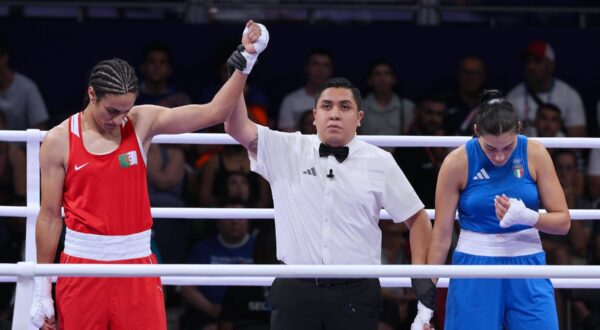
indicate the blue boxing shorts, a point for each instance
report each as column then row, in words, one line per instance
column 491, row 304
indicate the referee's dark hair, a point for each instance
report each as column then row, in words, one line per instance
column 340, row 82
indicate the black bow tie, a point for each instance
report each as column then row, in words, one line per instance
column 340, row 153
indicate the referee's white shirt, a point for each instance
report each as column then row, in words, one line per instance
column 332, row 221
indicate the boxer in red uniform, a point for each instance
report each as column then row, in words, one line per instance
column 94, row 165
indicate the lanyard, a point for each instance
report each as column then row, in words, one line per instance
column 526, row 99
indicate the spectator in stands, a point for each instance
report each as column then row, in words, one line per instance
column 422, row 164
column 237, row 186
column 232, row 159
column 12, row 230
column 547, row 121
column 399, row 305
column 386, row 113
column 586, row 302
column 565, row 163
column 166, row 162
column 248, row 307
column 464, row 104
column 593, row 176
column 12, row 171
column 573, row 248
column 20, row 99
column 157, row 69
column 307, row 125
column 318, row 69
column 541, row 86
column 232, row 245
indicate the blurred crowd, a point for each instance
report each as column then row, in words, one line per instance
column 219, row 175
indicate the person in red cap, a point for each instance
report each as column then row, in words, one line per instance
column 540, row 86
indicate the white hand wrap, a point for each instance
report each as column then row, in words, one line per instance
column 43, row 305
column 423, row 317
column 259, row 45
column 519, row 214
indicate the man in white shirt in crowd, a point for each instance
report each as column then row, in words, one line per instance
column 386, row 113
column 540, row 86
column 319, row 67
column 328, row 190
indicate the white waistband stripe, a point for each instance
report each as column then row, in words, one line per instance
column 521, row 243
column 107, row 248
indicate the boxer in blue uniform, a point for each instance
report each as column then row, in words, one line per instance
column 496, row 181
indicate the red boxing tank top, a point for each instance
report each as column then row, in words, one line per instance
column 106, row 194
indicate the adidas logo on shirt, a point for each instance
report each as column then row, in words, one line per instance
column 310, row 171
column 481, row 175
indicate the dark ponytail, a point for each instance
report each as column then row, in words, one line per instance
column 496, row 115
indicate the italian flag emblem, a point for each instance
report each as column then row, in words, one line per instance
column 128, row 159
column 517, row 168
column 518, row 172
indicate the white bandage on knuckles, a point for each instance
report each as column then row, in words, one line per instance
column 259, row 45
column 519, row 214
column 423, row 317
column 42, row 307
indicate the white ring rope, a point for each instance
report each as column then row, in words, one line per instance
column 378, row 140
column 387, row 282
column 241, row 213
column 301, row 271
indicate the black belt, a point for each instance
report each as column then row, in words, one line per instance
column 328, row 282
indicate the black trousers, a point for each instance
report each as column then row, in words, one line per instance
column 325, row 304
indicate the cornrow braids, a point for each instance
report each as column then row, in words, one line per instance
column 113, row 76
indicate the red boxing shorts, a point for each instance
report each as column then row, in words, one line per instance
column 101, row 303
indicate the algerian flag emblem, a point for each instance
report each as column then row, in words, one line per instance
column 128, row 159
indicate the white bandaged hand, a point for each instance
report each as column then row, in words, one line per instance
column 43, row 305
column 519, row 214
column 423, row 317
column 259, row 45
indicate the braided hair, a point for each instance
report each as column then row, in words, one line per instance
column 113, row 76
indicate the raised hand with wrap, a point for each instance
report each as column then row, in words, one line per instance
column 255, row 39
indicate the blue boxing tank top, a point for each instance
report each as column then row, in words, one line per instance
column 476, row 210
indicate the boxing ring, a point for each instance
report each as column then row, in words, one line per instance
column 23, row 273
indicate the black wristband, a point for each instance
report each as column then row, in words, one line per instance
column 236, row 61
column 425, row 291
